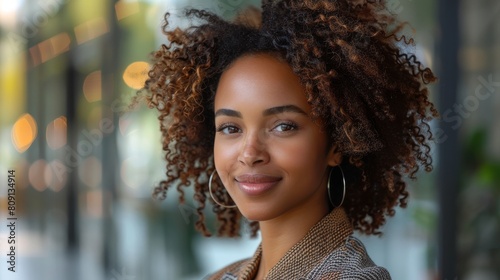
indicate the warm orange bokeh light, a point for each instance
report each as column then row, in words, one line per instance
column 92, row 87
column 90, row 30
column 94, row 201
column 36, row 175
column 24, row 132
column 22, row 169
column 50, row 48
column 56, row 175
column 57, row 133
column 136, row 74
column 124, row 9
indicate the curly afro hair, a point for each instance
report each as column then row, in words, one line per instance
column 370, row 95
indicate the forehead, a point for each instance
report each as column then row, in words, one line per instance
column 260, row 78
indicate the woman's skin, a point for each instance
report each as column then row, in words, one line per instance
column 272, row 158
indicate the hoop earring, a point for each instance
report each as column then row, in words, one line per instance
column 343, row 188
column 213, row 197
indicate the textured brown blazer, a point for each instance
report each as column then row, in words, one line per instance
column 328, row 251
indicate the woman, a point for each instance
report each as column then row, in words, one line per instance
column 303, row 119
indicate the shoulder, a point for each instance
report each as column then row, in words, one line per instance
column 228, row 272
column 349, row 261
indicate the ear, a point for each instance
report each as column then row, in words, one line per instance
column 334, row 157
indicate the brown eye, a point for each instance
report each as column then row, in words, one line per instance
column 228, row 129
column 284, row 127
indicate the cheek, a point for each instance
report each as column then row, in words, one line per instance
column 303, row 157
column 300, row 158
column 225, row 155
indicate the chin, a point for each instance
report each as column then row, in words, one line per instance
column 258, row 212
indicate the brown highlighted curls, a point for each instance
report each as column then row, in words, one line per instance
column 366, row 90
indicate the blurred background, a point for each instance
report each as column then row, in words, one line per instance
column 85, row 166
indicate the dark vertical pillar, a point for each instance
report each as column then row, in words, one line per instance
column 110, row 164
column 449, row 151
column 72, row 183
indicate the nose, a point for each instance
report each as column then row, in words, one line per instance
column 253, row 151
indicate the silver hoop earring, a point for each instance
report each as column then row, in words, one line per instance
column 211, row 195
column 332, row 200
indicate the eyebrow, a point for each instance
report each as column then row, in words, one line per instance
column 228, row 112
column 283, row 109
column 267, row 112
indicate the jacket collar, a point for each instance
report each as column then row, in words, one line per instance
column 324, row 237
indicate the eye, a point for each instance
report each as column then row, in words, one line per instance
column 228, row 129
column 285, row 127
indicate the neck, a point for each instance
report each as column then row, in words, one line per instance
column 280, row 234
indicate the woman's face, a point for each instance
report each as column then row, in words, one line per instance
column 271, row 157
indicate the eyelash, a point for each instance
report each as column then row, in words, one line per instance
column 224, row 126
column 290, row 125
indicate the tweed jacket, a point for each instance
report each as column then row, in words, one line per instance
column 328, row 251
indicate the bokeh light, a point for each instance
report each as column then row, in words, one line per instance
column 24, row 132
column 124, row 123
column 56, row 175
column 57, row 133
column 92, row 87
column 90, row 172
column 37, row 175
column 90, row 30
column 22, row 170
column 94, row 202
column 50, row 48
column 136, row 74
column 133, row 172
column 125, row 9
column 8, row 12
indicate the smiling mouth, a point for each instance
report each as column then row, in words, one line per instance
column 256, row 184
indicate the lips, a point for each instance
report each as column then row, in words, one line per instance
column 256, row 184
